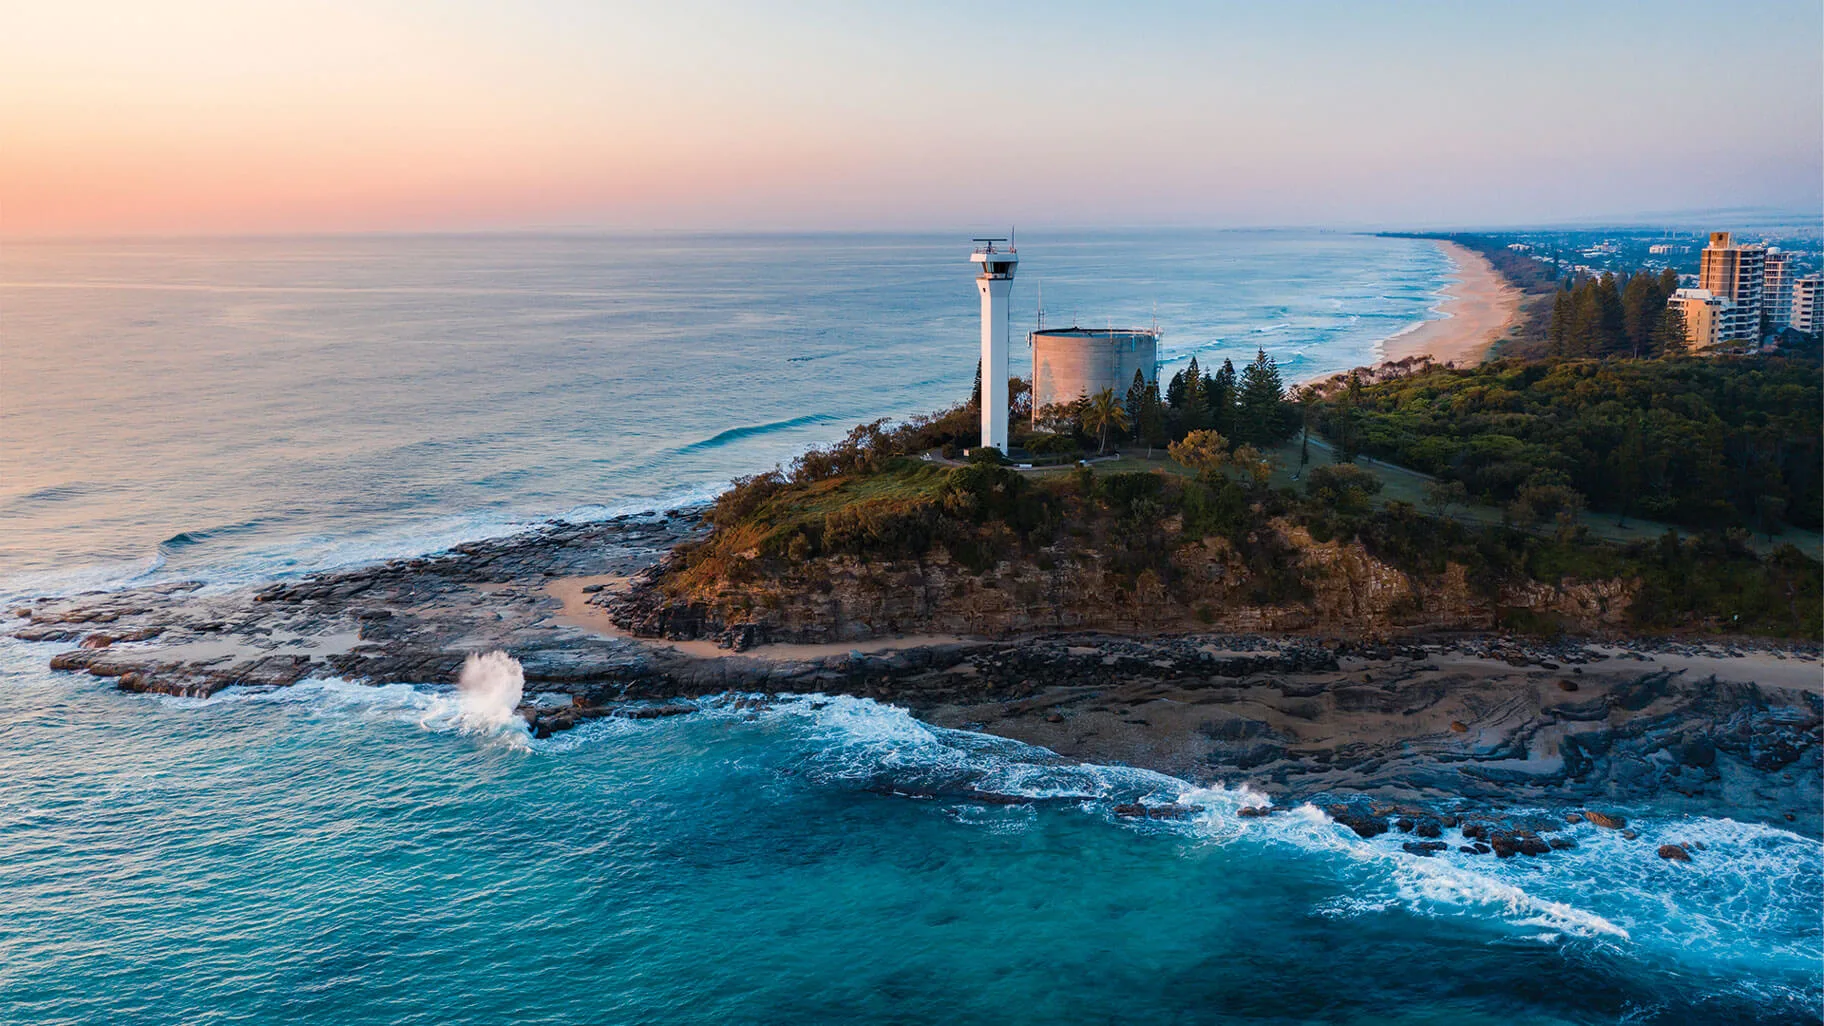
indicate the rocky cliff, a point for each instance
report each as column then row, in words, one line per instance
column 1331, row 588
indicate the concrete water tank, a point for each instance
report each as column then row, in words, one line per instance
column 1070, row 363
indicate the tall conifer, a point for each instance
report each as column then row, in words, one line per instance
column 1193, row 412
column 1221, row 399
column 1136, row 397
column 1259, row 418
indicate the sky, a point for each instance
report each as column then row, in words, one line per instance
column 198, row 116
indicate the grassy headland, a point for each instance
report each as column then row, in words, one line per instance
column 1608, row 484
column 868, row 539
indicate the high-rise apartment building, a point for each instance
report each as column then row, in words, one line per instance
column 1704, row 315
column 1736, row 275
column 1807, row 293
column 1776, row 287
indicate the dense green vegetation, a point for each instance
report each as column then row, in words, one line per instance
column 1248, row 406
column 870, row 498
column 1611, row 316
column 1704, row 443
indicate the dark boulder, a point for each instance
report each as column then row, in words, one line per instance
column 1365, row 825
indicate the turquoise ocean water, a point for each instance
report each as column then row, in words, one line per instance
column 334, row 853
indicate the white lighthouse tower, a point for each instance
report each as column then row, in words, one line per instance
column 995, row 283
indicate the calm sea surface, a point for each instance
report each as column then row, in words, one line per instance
column 334, row 853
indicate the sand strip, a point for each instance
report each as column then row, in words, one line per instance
column 1479, row 308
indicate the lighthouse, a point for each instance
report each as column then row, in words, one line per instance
column 995, row 282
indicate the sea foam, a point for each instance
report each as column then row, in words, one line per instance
column 489, row 690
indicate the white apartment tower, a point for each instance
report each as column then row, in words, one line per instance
column 1734, row 274
column 1776, row 287
column 1807, row 293
column 1703, row 315
column 995, row 282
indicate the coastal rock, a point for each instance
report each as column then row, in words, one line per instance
column 1674, row 853
column 1604, row 820
column 1425, row 848
column 1303, row 717
column 1365, row 825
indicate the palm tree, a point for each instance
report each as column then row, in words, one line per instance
column 1103, row 412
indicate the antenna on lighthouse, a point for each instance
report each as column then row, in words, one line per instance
column 1041, row 304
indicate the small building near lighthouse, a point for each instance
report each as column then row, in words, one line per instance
column 1074, row 363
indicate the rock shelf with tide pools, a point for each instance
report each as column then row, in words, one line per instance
column 1441, row 736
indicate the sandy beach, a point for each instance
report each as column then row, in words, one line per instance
column 1478, row 309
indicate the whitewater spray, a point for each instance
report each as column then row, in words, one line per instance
column 489, row 690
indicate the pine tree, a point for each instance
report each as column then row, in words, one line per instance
column 1151, row 423
column 1610, row 338
column 1193, row 412
column 1641, row 304
column 1174, row 392
column 1220, row 398
column 1259, row 419
column 975, row 394
column 1669, row 337
column 1136, row 397
column 1559, row 333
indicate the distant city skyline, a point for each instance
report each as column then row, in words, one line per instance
column 198, row 116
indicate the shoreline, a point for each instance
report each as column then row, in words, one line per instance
column 1478, row 308
column 1481, row 718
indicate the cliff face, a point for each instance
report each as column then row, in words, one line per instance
column 1331, row 587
